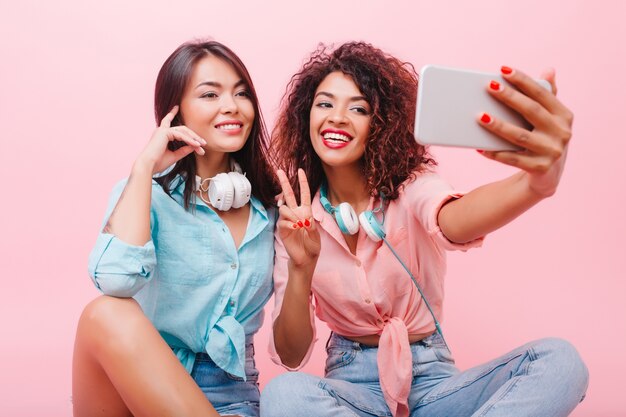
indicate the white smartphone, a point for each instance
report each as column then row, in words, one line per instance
column 449, row 102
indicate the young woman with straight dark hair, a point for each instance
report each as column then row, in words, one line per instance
column 185, row 257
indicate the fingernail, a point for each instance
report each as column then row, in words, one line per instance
column 307, row 223
column 480, row 151
column 506, row 70
column 494, row 85
column 485, row 118
column 300, row 223
column 279, row 202
column 294, row 225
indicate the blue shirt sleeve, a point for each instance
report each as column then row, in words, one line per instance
column 116, row 267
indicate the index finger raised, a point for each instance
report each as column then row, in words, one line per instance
column 167, row 120
column 305, row 191
column 288, row 195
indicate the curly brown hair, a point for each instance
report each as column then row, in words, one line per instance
column 390, row 87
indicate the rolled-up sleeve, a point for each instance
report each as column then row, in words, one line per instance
column 116, row 267
column 120, row 269
column 424, row 198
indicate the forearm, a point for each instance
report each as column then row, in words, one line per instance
column 487, row 208
column 130, row 219
column 292, row 329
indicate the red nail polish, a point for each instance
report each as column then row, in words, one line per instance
column 485, row 118
column 300, row 223
column 494, row 85
column 506, row 70
column 295, row 226
column 480, row 151
column 307, row 223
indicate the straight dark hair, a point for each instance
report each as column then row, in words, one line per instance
column 170, row 86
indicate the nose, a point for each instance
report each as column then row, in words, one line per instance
column 338, row 115
column 228, row 104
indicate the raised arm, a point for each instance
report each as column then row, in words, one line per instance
column 298, row 232
column 493, row 205
column 130, row 219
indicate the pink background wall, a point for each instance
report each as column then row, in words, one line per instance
column 76, row 85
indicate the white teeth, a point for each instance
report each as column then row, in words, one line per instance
column 336, row 136
column 229, row 127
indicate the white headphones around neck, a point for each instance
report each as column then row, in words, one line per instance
column 347, row 220
column 226, row 189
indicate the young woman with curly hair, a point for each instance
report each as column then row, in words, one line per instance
column 345, row 133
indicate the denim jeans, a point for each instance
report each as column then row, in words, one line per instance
column 543, row 378
column 228, row 393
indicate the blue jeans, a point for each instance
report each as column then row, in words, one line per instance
column 228, row 393
column 542, row 378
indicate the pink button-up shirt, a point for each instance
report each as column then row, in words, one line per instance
column 370, row 292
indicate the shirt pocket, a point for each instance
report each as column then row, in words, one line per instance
column 258, row 259
column 184, row 254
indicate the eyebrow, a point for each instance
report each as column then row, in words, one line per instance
column 329, row 95
column 218, row 85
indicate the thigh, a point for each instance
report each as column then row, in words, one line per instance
column 92, row 389
column 462, row 393
column 119, row 355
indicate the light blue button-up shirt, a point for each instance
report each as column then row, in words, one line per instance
column 201, row 292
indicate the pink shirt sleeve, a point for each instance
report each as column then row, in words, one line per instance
column 424, row 197
column 281, row 277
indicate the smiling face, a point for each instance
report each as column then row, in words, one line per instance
column 339, row 121
column 216, row 105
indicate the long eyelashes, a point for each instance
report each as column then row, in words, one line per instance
column 358, row 109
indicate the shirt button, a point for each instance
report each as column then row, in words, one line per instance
column 358, row 262
column 233, row 266
column 367, row 301
column 232, row 303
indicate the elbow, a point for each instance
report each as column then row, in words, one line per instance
column 292, row 362
column 459, row 238
column 121, row 286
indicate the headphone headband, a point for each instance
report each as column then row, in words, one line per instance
column 324, row 199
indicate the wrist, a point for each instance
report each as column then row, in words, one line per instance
column 143, row 166
column 540, row 185
column 302, row 271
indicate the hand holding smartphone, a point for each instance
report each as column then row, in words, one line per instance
column 449, row 102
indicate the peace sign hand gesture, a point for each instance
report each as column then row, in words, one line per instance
column 296, row 227
column 157, row 154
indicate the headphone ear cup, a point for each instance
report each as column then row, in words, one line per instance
column 346, row 219
column 242, row 189
column 373, row 229
column 221, row 192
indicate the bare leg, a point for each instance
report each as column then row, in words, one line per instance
column 123, row 367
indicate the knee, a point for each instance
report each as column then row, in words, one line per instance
column 285, row 395
column 565, row 363
column 109, row 322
